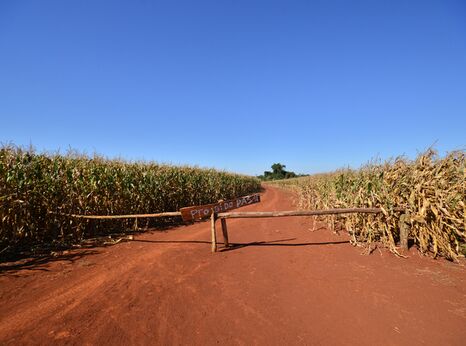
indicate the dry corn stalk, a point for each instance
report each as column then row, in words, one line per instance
column 431, row 189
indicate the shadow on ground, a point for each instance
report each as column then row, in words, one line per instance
column 38, row 263
column 41, row 250
column 235, row 246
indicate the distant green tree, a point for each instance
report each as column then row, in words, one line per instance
column 278, row 172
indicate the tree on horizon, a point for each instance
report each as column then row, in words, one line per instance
column 278, row 172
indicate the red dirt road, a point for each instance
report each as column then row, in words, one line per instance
column 285, row 285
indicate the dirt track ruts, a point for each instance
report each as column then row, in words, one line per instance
column 281, row 284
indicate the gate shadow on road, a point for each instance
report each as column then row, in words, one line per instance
column 235, row 246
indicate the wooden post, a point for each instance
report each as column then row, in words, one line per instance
column 214, row 235
column 404, row 232
column 225, row 232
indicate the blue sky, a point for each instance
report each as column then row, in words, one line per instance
column 236, row 85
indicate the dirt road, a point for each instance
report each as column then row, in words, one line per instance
column 282, row 284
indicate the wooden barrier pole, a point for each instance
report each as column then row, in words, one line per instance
column 225, row 232
column 252, row 214
column 132, row 216
column 212, row 228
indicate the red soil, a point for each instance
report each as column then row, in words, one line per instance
column 285, row 285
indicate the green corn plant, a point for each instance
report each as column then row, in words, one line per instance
column 37, row 189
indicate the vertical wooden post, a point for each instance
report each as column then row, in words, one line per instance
column 225, row 232
column 214, row 235
column 404, row 232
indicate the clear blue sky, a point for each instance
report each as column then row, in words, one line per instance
column 235, row 85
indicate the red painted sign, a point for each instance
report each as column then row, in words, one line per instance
column 204, row 211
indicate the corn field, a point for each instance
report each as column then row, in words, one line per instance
column 432, row 190
column 36, row 190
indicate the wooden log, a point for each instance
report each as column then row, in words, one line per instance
column 235, row 215
column 225, row 232
column 213, row 233
column 132, row 216
column 404, row 232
